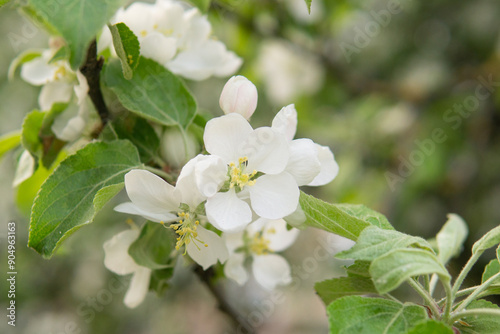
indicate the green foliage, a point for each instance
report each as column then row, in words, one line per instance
column 451, row 238
column 78, row 21
column 153, row 247
column 308, row 4
column 490, row 239
column 491, row 269
column 3, row 2
column 483, row 323
column 202, row 5
column 127, row 48
column 77, row 190
column 431, row 327
column 350, row 314
column 153, row 93
column 374, row 242
column 342, row 219
column 9, row 141
column 332, row 289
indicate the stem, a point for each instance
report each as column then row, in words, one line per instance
column 449, row 300
column 161, row 173
column 476, row 311
column 468, row 266
column 91, row 69
column 206, row 277
column 426, row 296
column 427, row 284
column 433, row 283
column 478, row 291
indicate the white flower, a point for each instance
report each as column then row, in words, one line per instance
column 310, row 163
column 178, row 37
column 239, row 96
column 158, row 201
column 117, row 259
column 60, row 85
column 261, row 240
column 251, row 168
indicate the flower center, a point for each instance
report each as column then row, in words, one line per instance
column 60, row 73
column 259, row 245
column 186, row 230
column 237, row 174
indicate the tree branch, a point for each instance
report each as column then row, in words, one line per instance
column 206, row 276
column 91, row 69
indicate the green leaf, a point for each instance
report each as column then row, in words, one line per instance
column 9, row 141
column 61, row 54
column 160, row 280
column 358, row 269
column 308, row 4
column 24, row 57
column 105, row 194
column 332, row 289
column 480, row 323
column 431, row 326
column 153, row 247
column 355, row 314
column 374, row 242
column 153, row 93
column 78, row 21
column 3, row 2
column 345, row 220
column 65, row 201
column 490, row 270
column 32, row 125
column 451, row 238
column 138, row 131
column 390, row 270
column 490, row 239
column 202, row 5
column 127, row 48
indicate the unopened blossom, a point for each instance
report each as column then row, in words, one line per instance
column 177, row 149
column 118, row 260
column 158, row 201
column 178, row 37
column 239, row 96
column 251, row 170
column 60, row 84
column 260, row 241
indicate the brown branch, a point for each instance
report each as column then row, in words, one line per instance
column 206, row 276
column 91, row 69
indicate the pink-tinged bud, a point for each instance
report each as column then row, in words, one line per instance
column 239, row 96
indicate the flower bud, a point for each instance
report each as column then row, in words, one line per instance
column 239, row 96
column 173, row 149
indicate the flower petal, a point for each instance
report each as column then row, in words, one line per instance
column 138, row 289
column 225, row 134
column 116, row 257
column 150, row 193
column 158, row 47
column 52, row 92
column 285, row 121
column 38, row 72
column 329, row 167
column 271, row 270
column 132, row 209
column 211, row 173
column 207, row 256
column 233, row 241
column 227, row 212
column 274, row 196
column 267, row 151
column 235, row 270
column 280, row 238
column 303, row 164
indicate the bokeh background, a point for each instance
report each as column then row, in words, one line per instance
column 406, row 94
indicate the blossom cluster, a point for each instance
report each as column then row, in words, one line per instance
column 246, row 186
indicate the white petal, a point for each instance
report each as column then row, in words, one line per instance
column 271, row 270
column 280, row 238
column 116, row 257
column 274, row 196
column 235, row 270
column 150, row 192
column 186, row 188
column 296, row 218
column 105, row 40
column 227, row 212
column 233, row 241
column 215, row 250
column 239, row 95
column 138, row 17
column 138, row 289
column 224, row 136
column 329, row 167
column 158, row 47
column 38, row 72
column 198, row 29
column 72, row 130
column 211, row 173
column 132, row 209
column 25, row 168
column 303, row 164
column 53, row 92
column 267, row 151
column 285, row 121
column 228, row 65
column 82, row 89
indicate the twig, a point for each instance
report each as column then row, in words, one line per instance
column 206, row 277
column 91, row 69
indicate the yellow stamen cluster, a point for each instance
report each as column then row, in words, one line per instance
column 60, row 73
column 237, row 175
column 186, row 230
column 144, row 33
column 259, row 245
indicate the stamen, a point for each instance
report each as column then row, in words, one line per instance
column 186, row 229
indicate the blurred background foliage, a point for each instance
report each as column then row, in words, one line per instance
column 372, row 84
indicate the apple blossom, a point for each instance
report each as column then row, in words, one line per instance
column 260, row 240
column 178, row 37
column 117, row 259
column 158, row 201
column 176, row 149
column 239, row 95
